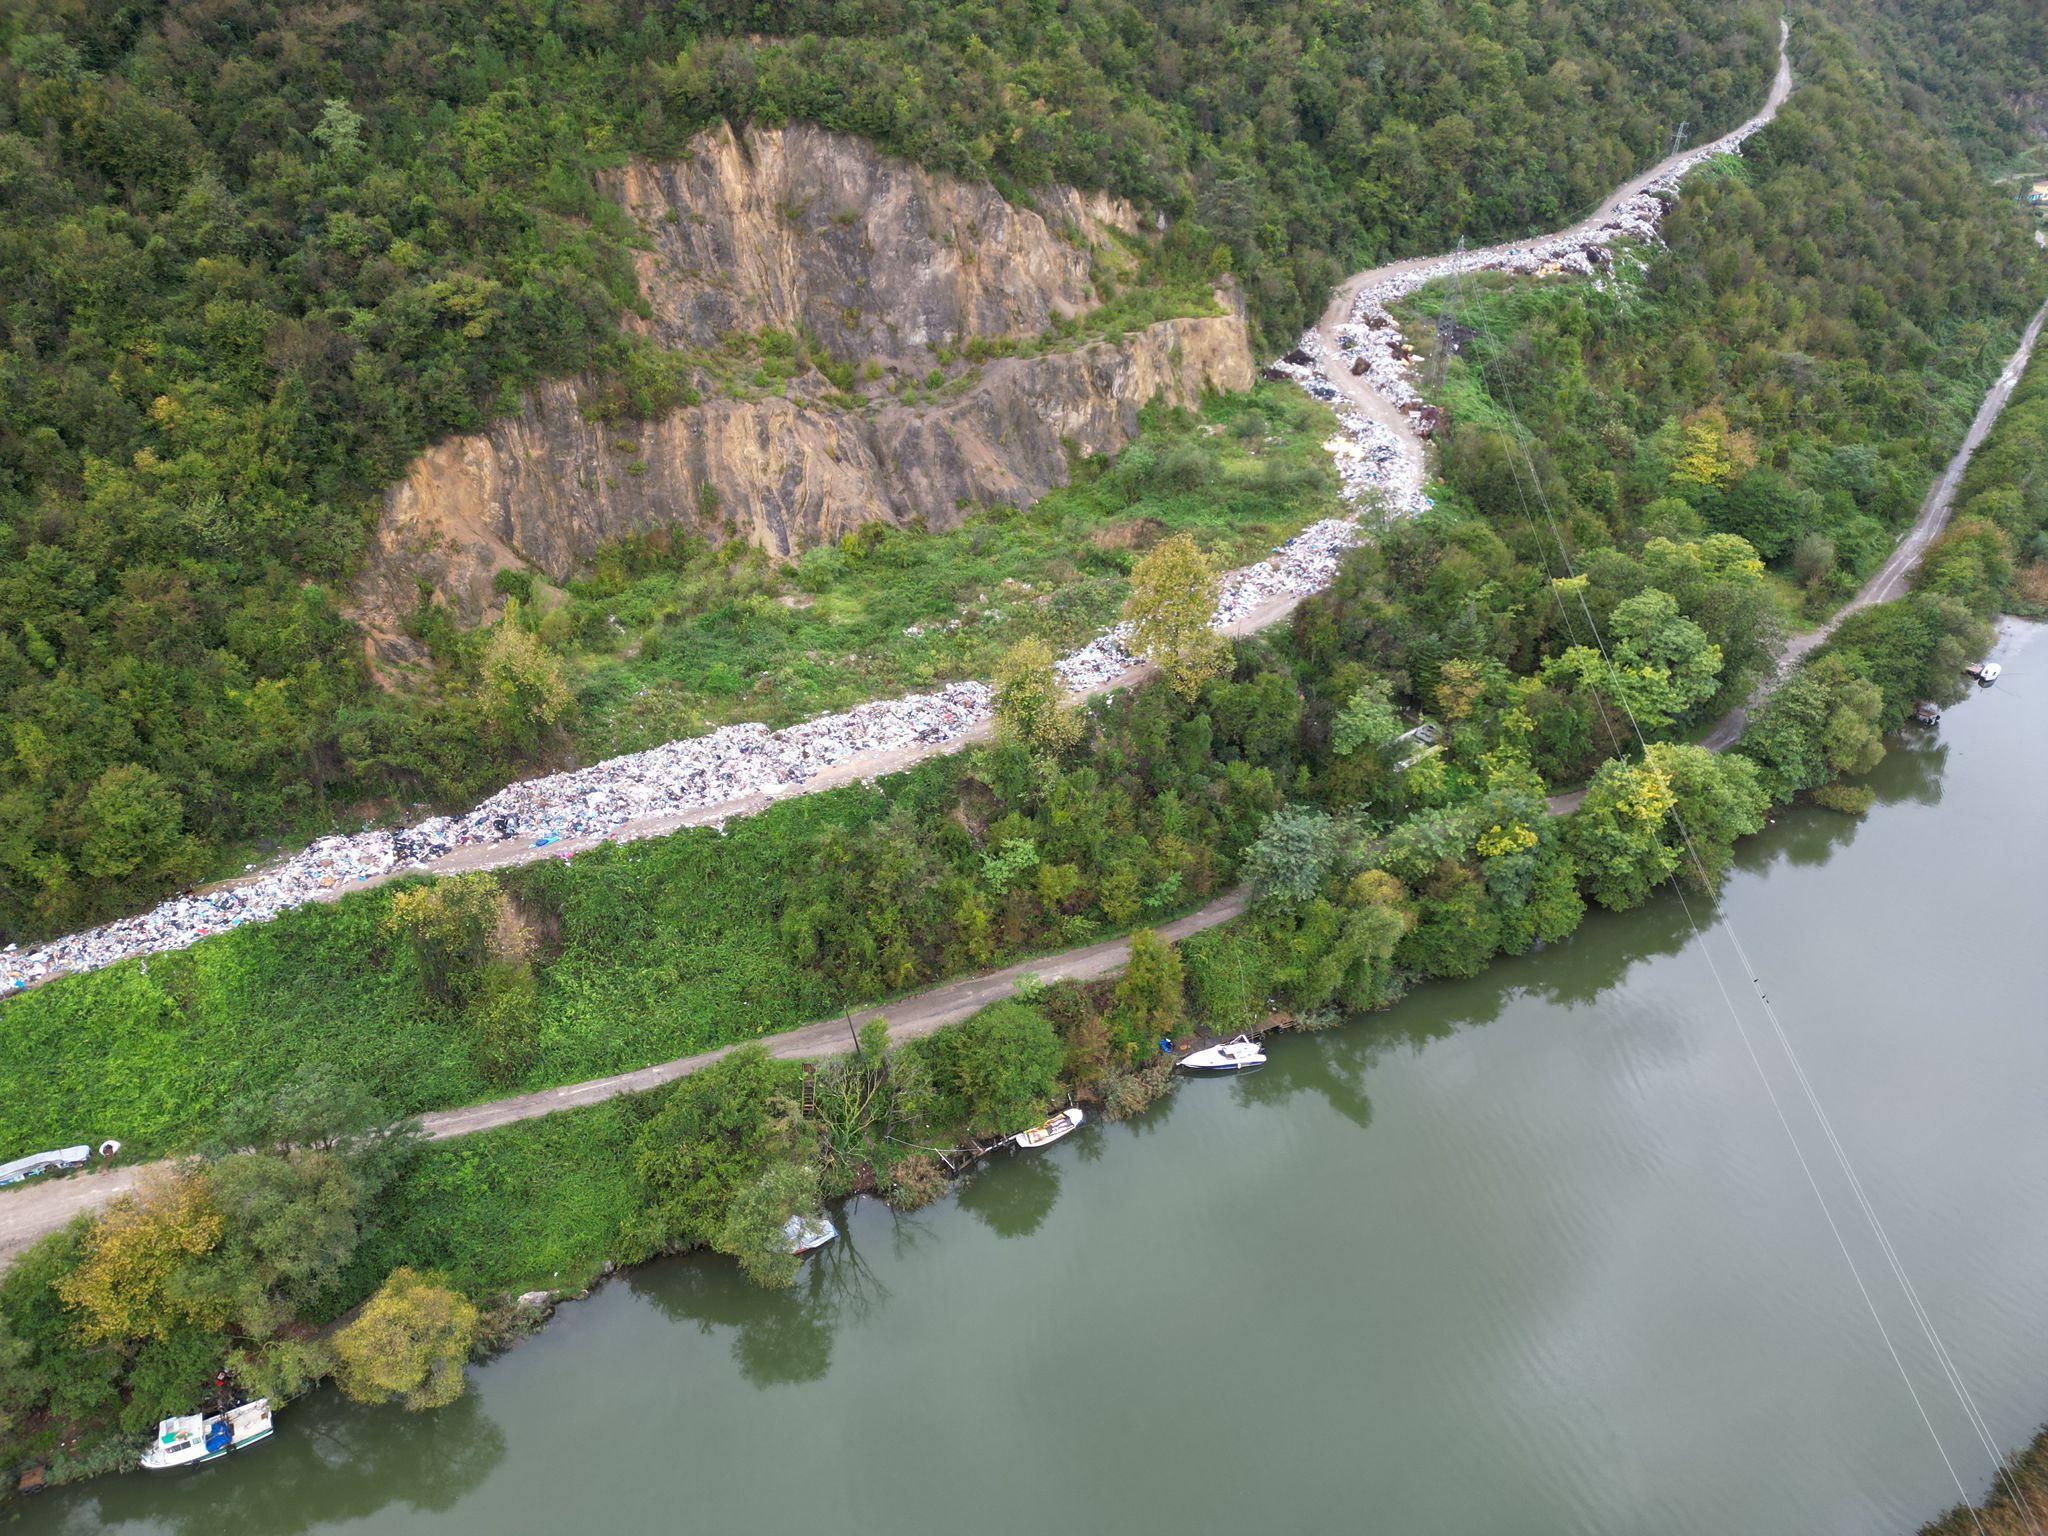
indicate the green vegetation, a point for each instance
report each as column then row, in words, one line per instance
column 1792, row 369
column 2005, row 488
column 667, row 637
column 1787, row 375
column 254, row 263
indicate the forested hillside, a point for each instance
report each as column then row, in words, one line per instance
column 1977, row 67
column 253, row 257
column 1792, row 369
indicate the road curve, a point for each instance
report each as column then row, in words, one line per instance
column 36, row 1210
column 1358, row 393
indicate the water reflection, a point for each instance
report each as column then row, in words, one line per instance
column 778, row 1337
column 340, row 1462
column 1013, row 1197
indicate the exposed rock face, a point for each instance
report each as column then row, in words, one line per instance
column 876, row 257
column 878, row 261
column 547, row 487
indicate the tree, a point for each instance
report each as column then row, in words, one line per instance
column 1663, row 664
column 130, row 824
column 1616, row 834
column 409, row 1343
column 1148, row 994
column 878, row 1089
column 1174, row 590
column 1456, row 929
column 1030, row 703
column 1296, row 848
column 1369, row 720
column 449, row 922
column 719, row 1129
column 321, row 1107
column 524, row 678
column 1004, row 1066
column 755, row 1229
column 340, row 133
column 1715, row 800
column 136, row 1278
column 291, row 1226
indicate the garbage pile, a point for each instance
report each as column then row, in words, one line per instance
column 592, row 803
column 740, row 760
column 1374, row 458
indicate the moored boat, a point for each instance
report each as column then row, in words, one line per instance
column 1231, row 1056
column 192, row 1438
column 1989, row 673
column 1051, row 1131
column 808, row 1233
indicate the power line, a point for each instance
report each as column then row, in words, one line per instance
column 1950, row 1370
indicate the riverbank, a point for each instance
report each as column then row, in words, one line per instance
column 1542, row 1213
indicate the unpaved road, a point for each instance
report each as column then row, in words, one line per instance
column 1378, row 407
column 36, row 1210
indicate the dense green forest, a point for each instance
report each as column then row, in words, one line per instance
column 1793, row 368
column 254, row 257
column 1977, row 68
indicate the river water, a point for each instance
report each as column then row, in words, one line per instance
column 1527, row 1254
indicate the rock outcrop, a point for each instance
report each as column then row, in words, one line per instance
column 875, row 257
column 878, row 262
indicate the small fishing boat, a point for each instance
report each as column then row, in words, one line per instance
column 1232, row 1056
column 1989, row 673
column 192, row 1438
column 807, row 1233
column 1045, row 1135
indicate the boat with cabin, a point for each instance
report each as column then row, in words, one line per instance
column 193, row 1438
column 1051, row 1131
column 1238, row 1055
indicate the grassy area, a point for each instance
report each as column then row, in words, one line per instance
column 671, row 638
column 658, row 949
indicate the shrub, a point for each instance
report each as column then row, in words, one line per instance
column 408, row 1344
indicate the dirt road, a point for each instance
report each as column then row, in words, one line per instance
column 36, row 1210
column 1358, row 393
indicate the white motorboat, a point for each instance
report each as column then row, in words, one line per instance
column 807, row 1233
column 1045, row 1135
column 1989, row 673
column 192, row 1438
column 1231, row 1056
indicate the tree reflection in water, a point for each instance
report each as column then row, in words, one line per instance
column 1014, row 1194
column 330, row 1462
column 778, row 1337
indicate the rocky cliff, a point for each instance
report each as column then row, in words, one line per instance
column 875, row 257
column 879, row 263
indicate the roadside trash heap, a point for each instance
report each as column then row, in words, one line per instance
column 588, row 805
column 1374, row 458
column 737, row 761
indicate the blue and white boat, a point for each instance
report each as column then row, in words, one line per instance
column 192, row 1438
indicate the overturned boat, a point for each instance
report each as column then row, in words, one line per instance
column 806, row 1234
column 1236, row 1055
column 1051, row 1131
column 192, row 1438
